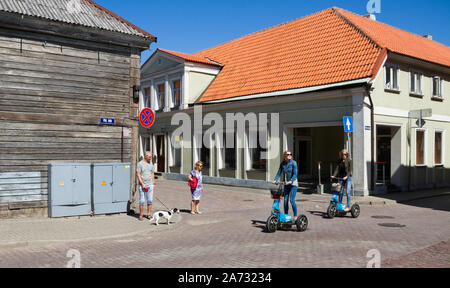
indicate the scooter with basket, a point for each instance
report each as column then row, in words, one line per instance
column 337, row 208
column 278, row 220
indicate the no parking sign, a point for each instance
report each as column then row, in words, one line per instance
column 147, row 118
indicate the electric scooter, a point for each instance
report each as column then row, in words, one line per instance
column 278, row 220
column 337, row 208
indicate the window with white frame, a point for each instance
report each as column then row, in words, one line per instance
column 176, row 143
column 416, row 83
column 147, row 97
column 437, row 87
column 161, row 96
column 201, row 152
column 256, row 152
column 438, row 152
column 392, row 81
column 229, row 151
column 176, row 93
column 420, row 147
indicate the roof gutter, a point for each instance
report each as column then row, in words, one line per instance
column 290, row 91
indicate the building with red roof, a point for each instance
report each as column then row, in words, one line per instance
column 311, row 72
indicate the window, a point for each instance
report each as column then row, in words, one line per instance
column 147, row 99
column 420, row 147
column 256, row 160
column 438, row 148
column 161, row 96
column 416, row 83
column 201, row 152
column 205, row 156
column 176, row 151
column 176, row 96
column 392, row 77
column 230, row 152
column 437, row 87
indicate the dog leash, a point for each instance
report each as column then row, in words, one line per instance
column 162, row 203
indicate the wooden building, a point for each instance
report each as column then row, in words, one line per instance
column 64, row 65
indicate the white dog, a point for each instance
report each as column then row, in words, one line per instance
column 164, row 214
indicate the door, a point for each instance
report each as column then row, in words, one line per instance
column 160, row 153
column 81, row 185
column 384, row 138
column 121, row 186
column 302, row 154
column 61, row 185
column 103, row 183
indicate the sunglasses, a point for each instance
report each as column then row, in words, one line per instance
column 287, row 154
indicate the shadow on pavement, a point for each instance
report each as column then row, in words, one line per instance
column 318, row 213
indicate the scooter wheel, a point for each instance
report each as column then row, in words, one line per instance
column 302, row 223
column 356, row 211
column 272, row 224
column 332, row 211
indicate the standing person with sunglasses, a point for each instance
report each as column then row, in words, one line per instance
column 289, row 168
column 344, row 171
column 198, row 190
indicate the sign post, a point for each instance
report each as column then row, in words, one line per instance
column 348, row 128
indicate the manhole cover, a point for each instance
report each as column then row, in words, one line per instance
column 392, row 225
column 383, row 217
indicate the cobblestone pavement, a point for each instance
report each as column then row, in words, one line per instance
column 231, row 233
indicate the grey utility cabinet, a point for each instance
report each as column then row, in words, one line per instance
column 69, row 189
column 110, row 188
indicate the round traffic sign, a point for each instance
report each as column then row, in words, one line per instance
column 147, row 118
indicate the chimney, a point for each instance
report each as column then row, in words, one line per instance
column 428, row 37
column 371, row 17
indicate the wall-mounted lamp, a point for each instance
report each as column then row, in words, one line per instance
column 136, row 92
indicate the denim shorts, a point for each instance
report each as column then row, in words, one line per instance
column 146, row 195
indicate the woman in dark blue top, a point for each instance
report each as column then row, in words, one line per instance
column 289, row 168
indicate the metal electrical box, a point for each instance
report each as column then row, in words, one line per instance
column 69, row 188
column 110, row 188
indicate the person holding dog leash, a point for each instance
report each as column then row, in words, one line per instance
column 344, row 171
column 290, row 169
column 196, row 187
column 145, row 173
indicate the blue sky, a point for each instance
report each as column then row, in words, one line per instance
column 192, row 25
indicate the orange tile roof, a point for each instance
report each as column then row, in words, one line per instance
column 400, row 41
column 187, row 57
column 327, row 47
column 315, row 50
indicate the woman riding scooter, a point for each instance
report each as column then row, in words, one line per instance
column 344, row 171
column 289, row 168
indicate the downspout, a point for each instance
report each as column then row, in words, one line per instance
column 372, row 139
column 375, row 72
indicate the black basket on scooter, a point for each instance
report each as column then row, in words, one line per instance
column 278, row 192
column 336, row 185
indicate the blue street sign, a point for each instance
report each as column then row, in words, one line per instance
column 107, row 121
column 348, row 124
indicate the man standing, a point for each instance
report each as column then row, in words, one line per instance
column 146, row 176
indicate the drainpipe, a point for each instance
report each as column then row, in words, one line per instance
column 372, row 139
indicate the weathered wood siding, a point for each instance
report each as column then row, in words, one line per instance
column 52, row 96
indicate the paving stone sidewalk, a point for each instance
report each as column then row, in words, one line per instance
column 24, row 232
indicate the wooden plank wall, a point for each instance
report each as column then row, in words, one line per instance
column 51, row 99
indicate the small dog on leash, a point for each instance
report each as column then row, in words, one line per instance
column 164, row 214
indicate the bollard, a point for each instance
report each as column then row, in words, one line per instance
column 320, row 186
